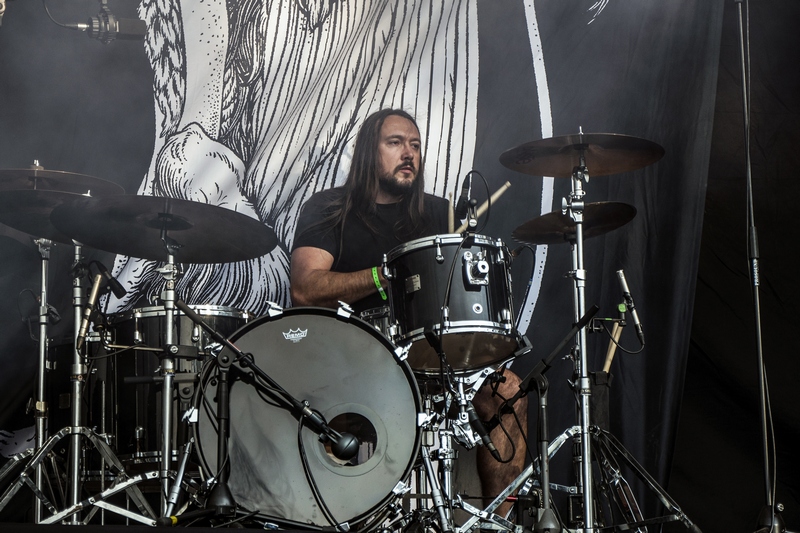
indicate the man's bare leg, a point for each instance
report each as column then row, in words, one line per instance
column 495, row 476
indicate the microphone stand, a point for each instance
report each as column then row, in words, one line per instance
column 546, row 520
column 769, row 519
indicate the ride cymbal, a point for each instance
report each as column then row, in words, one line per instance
column 133, row 225
column 603, row 153
column 56, row 180
column 554, row 228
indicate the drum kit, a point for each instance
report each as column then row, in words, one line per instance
column 214, row 410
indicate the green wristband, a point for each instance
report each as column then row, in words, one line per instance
column 378, row 283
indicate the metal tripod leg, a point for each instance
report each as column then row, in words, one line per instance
column 606, row 443
column 105, row 451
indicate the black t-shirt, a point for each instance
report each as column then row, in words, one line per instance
column 361, row 248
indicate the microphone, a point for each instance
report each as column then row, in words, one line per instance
column 87, row 311
column 478, row 427
column 460, row 211
column 626, row 293
column 105, row 27
column 345, row 447
column 516, row 251
column 115, row 286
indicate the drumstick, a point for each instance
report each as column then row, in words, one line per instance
column 485, row 205
column 450, row 214
column 616, row 332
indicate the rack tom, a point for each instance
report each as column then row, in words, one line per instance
column 459, row 290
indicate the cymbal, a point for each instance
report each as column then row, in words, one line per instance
column 56, row 180
column 604, row 154
column 29, row 211
column 132, row 225
column 554, row 228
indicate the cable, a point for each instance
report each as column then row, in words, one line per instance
column 47, row 10
column 312, row 483
column 619, row 346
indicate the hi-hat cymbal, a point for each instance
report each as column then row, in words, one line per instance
column 132, row 225
column 56, row 180
column 29, row 211
column 554, row 228
column 604, row 154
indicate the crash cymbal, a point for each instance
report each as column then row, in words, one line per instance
column 29, row 211
column 554, row 228
column 56, row 180
column 604, row 153
column 132, row 225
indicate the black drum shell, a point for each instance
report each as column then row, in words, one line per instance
column 480, row 329
column 138, row 406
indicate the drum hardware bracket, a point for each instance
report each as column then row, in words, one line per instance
column 401, row 352
column 344, row 310
column 387, row 273
column 401, row 488
column 439, row 257
column 274, row 309
column 476, row 268
column 180, row 351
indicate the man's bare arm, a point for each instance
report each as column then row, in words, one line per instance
column 313, row 283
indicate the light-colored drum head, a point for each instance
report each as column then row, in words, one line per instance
column 345, row 370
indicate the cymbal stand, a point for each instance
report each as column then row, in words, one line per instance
column 170, row 273
column 573, row 206
column 40, row 408
column 78, row 375
column 76, row 432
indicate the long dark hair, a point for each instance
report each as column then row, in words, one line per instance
column 363, row 182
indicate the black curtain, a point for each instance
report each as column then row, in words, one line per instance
column 718, row 468
column 642, row 69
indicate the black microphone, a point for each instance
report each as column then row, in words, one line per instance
column 105, row 27
column 626, row 293
column 478, row 427
column 345, row 447
column 115, row 286
column 87, row 311
column 460, row 211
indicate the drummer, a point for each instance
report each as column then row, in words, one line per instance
column 342, row 234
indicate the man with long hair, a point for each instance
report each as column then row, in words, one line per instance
column 342, row 234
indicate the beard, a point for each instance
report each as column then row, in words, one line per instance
column 396, row 186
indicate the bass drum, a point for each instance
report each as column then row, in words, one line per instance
column 347, row 371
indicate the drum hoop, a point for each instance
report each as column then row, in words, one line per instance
column 348, row 318
column 468, row 326
column 447, row 239
column 159, row 311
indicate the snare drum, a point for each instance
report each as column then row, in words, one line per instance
column 479, row 327
column 138, row 413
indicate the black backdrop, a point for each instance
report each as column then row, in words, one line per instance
column 77, row 105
